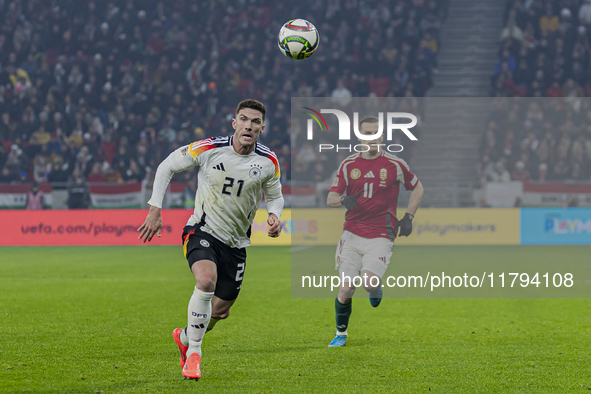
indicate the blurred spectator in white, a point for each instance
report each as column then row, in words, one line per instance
column 485, row 169
column 500, row 174
column 542, row 172
column 41, row 169
column 306, row 154
column 512, row 31
column 341, row 95
column 585, row 12
column 520, row 173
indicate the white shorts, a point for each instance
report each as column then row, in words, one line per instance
column 356, row 254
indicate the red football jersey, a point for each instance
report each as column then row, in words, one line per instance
column 379, row 181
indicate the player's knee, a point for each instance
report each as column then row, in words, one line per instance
column 346, row 292
column 206, row 283
column 371, row 287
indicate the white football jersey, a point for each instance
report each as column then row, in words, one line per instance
column 229, row 186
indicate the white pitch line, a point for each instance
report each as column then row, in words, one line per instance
column 300, row 248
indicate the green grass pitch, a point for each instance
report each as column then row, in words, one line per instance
column 99, row 320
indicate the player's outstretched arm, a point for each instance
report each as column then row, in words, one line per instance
column 177, row 161
column 152, row 225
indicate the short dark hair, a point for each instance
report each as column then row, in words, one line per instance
column 252, row 104
column 368, row 119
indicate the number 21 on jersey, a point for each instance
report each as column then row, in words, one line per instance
column 229, row 183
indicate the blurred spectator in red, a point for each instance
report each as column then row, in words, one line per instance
column 34, row 198
column 520, row 173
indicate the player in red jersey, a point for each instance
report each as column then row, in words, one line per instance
column 371, row 181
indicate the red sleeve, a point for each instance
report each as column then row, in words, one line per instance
column 404, row 175
column 339, row 185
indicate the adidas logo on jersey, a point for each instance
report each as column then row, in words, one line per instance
column 369, row 175
column 219, row 167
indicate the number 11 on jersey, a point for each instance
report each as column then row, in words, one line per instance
column 368, row 189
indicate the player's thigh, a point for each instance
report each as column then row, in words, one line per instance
column 348, row 259
column 230, row 268
column 204, row 270
column 201, row 254
column 376, row 256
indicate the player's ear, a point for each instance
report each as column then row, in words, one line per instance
column 234, row 123
column 262, row 128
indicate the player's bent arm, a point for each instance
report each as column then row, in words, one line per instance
column 415, row 199
column 334, row 200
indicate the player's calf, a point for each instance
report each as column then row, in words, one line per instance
column 220, row 309
column 372, row 283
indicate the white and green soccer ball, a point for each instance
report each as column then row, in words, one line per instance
column 298, row 39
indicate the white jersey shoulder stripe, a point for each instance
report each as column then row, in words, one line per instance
column 345, row 164
column 349, row 158
column 264, row 149
column 207, row 141
column 397, row 159
column 399, row 173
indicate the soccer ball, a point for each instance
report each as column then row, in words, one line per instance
column 298, row 39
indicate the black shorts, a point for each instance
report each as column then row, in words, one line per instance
column 230, row 262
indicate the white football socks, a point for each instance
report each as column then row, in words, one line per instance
column 199, row 314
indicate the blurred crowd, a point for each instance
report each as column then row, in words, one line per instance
column 544, row 49
column 102, row 91
column 537, row 140
column 544, row 52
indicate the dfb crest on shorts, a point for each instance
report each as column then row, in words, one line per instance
column 255, row 172
column 204, row 243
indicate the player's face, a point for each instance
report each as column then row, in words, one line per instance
column 371, row 129
column 248, row 125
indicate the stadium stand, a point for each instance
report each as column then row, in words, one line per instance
column 544, row 52
column 104, row 90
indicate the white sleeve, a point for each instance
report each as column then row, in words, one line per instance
column 177, row 161
column 273, row 196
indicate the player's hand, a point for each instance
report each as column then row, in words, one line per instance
column 274, row 226
column 350, row 202
column 405, row 225
column 152, row 226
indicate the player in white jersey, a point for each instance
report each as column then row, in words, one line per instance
column 233, row 171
